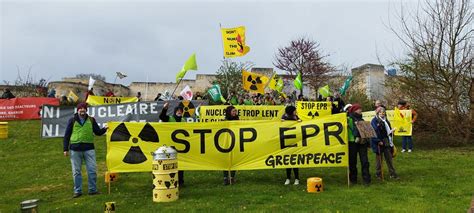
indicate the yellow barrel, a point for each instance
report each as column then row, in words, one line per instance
column 3, row 130
column 165, row 181
column 165, row 166
column 167, row 195
column 109, row 207
column 314, row 185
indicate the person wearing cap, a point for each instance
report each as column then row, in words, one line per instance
column 176, row 117
column 407, row 140
column 290, row 115
column 79, row 144
column 383, row 143
column 357, row 146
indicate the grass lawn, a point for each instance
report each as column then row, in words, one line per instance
column 436, row 180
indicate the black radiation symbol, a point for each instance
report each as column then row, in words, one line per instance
column 315, row 114
column 188, row 108
column 135, row 154
column 254, row 82
column 318, row 187
column 172, row 181
column 402, row 129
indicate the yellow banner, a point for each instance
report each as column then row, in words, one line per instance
column 254, row 82
column 231, row 145
column 403, row 126
column 233, row 40
column 308, row 110
column 246, row 112
column 102, row 100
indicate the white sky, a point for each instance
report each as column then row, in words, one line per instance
column 152, row 39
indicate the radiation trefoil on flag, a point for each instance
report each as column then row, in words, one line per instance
column 254, row 82
column 233, row 40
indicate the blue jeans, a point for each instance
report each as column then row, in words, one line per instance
column 407, row 140
column 76, row 161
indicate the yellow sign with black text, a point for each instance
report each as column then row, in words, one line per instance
column 103, row 100
column 309, row 110
column 401, row 123
column 230, row 145
column 246, row 112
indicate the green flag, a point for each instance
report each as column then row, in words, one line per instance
column 215, row 93
column 298, row 83
column 325, row 91
column 189, row 65
column 279, row 85
column 346, row 85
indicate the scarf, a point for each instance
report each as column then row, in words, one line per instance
column 389, row 131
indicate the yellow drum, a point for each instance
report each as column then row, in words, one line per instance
column 165, row 166
column 167, row 195
column 314, row 185
column 165, row 181
column 3, row 130
column 109, row 207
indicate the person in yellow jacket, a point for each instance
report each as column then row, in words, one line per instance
column 79, row 144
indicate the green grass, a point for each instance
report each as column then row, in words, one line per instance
column 431, row 181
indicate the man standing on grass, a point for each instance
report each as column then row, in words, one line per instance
column 79, row 140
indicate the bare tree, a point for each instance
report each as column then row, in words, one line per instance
column 229, row 75
column 304, row 56
column 438, row 69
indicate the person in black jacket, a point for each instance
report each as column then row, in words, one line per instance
column 230, row 115
column 290, row 115
column 79, row 141
column 357, row 146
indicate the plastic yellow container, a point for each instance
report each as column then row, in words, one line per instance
column 315, row 185
column 3, row 130
column 109, row 207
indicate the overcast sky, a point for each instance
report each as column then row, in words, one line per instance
column 152, row 39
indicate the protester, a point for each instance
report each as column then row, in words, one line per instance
column 89, row 92
column 79, row 141
column 290, row 115
column 110, row 93
column 383, row 143
column 139, row 96
column 176, row 117
column 232, row 98
column 198, row 96
column 52, row 93
column 407, row 140
column 378, row 103
column 230, row 115
column 357, row 146
column 7, row 94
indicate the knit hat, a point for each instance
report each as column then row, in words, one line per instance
column 82, row 105
column 354, row 108
column 347, row 107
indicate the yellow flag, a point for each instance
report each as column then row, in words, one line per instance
column 273, row 82
column 233, row 40
column 402, row 122
column 254, row 82
column 72, row 96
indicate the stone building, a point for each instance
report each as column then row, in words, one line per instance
column 79, row 87
column 370, row 78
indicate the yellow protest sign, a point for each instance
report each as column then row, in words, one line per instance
column 403, row 126
column 233, row 40
column 246, row 112
column 308, row 110
column 254, row 82
column 102, row 100
column 230, row 145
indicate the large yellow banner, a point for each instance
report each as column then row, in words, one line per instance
column 402, row 123
column 246, row 112
column 233, row 40
column 308, row 110
column 231, row 145
column 101, row 100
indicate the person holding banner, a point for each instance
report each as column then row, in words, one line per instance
column 176, row 117
column 407, row 140
column 357, row 145
column 290, row 115
column 230, row 115
column 383, row 143
column 79, row 141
